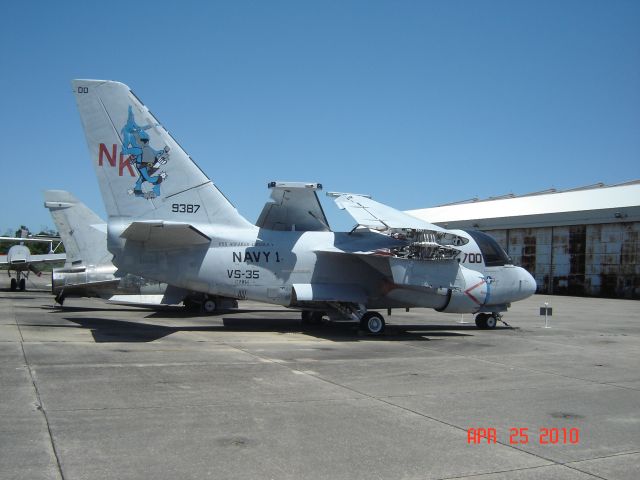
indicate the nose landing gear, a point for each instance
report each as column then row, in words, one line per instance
column 373, row 323
column 18, row 283
column 487, row 321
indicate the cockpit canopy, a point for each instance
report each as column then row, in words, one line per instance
column 494, row 255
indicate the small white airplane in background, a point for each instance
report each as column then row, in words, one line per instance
column 20, row 260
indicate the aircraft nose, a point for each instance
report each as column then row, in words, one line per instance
column 528, row 283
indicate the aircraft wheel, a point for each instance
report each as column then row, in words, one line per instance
column 305, row 317
column 373, row 323
column 481, row 321
column 59, row 299
column 208, row 306
column 23, row 284
column 14, row 284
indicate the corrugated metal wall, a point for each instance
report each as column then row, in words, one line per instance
column 594, row 260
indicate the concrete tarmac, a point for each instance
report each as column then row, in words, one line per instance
column 97, row 391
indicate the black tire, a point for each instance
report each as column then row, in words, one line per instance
column 481, row 321
column 14, row 284
column 209, row 306
column 491, row 321
column 372, row 323
column 23, row 284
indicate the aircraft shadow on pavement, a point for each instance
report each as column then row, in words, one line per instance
column 106, row 330
column 22, row 292
column 59, row 309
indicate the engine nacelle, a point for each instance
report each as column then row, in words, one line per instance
column 469, row 294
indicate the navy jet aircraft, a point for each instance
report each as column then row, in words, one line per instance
column 169, row 222
column 89, row 272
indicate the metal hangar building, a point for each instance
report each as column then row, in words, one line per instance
column 582, row 241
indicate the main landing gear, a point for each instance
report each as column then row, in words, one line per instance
column 487, row 321
column 209, row 304
column 370, row 322
column 18, row 284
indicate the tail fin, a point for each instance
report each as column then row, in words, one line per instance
column 83, row 233
column 142, row 171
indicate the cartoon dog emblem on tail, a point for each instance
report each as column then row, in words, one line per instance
column 135, row 142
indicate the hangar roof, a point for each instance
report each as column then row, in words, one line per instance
column 590, row 204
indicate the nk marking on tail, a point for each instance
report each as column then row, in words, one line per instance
column 139, row 153
column 111, row 154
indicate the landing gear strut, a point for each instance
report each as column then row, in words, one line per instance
column 487, row 321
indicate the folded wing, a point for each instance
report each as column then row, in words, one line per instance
column 293, row 206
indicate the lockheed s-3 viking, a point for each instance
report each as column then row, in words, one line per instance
column 169, row 222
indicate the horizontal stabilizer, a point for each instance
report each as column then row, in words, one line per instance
column 161, row 234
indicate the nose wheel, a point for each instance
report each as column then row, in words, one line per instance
column 487, row 321
column 372, row 323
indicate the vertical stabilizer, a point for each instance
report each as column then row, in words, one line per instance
column 83, row 233
column 142, row 171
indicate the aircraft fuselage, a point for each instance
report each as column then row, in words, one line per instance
column 300, row 268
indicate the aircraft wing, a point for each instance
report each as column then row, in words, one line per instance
column 294, row 206
column 3, row 260
column 29, row 239
column 47, row 258
column 377, row 216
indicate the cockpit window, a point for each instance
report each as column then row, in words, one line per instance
column 494, row 255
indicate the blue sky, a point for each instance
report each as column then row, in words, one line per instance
column 418, row 103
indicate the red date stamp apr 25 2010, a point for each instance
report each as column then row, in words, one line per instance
column 524, row 436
